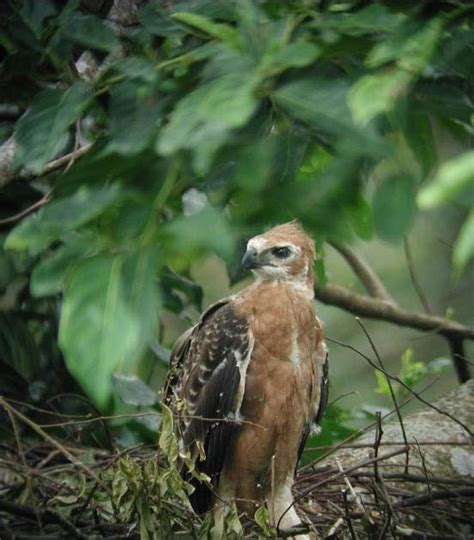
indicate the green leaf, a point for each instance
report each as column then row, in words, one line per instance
column 411, row 372
column 49, row 274
column 222, row 32
column 105, row 320
column 203, row 119
column 318, row 102
column 394, row 207
column 382, row 384
column 412, row 45
column 134, row 113
column 91, row 32
column 375, row 94
column 140, row 288
column 156, row 20
column 133, row 391
column 296, row 54
column 360, row 217
column 35, row 13
column 419, row 135
column 262, row 518
column 454, row 178
column 136, row 67
column 197, row 234
column 463, row 251
column 167, row 441
column 57, row 218
column 42, row 132
column 253, row 170
column 374, row 18
column 98, row 332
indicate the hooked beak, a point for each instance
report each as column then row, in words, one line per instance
column 250, row 260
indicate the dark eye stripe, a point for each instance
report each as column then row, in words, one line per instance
column 281, row 252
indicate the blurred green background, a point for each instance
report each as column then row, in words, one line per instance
column 144, row 142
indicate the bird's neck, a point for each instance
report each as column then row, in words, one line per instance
column 302, row 283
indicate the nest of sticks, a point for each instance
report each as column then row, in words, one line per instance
column 53, row 486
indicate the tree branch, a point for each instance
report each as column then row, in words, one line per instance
column 364, row 272
column 7, row 172
column 379, row 304
column 373, row 308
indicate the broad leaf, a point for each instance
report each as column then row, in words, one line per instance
column 133, row 391
column 222, row 32
column 140, row 288
column 296, row 54
column 394, row 207
column 49, row 275
column 57, row 218
column 203, row 119
column 419, row 135
column 42, row 132
column 90, row 31
column 360, row 216
column 134, row 113
column 374, row 18
column 35, row 13
column 411, row 45
column 454, row 178
column 199, row 233
column 322, row 104
column 463, row 251
column 374, row 94
column 109, row 310
column 99, row 333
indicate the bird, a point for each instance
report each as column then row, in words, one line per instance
column 249, row 381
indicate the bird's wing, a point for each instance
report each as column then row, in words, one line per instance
column 207, row 381
column 323, row 390
column 319, row 395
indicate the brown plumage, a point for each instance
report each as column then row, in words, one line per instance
column 250, row 379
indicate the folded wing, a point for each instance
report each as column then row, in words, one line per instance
column 205, row 389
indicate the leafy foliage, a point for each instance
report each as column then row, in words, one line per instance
column 411, row 373
column 328, row 112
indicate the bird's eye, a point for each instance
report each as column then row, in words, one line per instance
column 281, row 252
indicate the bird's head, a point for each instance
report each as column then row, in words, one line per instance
column 284, row 253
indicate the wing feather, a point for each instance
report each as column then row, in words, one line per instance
column 205, row 389
column 321, row 402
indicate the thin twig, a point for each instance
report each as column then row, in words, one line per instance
column 348, row 519
column 38, row 204
column 416, row 478
column 352, row 491
column 390, row 388
column 47, row 514
column 56, row 164
column 419, row 500
column 414, row 277
column 378, row 438
column 423, row 464
column 364, row 463
column 54, row 442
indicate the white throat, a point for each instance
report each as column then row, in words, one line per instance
column 278, row 275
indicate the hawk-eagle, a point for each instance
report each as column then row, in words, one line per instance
column 249, row 381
